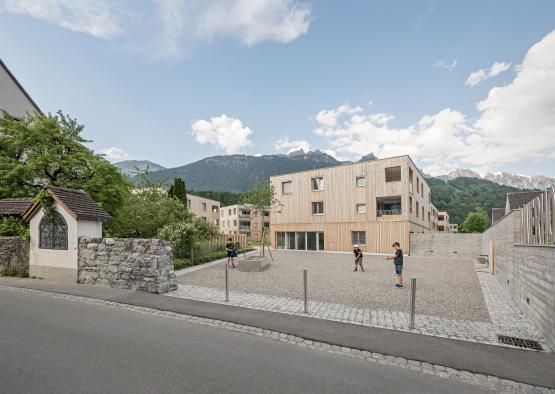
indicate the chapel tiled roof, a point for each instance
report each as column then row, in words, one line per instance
column 496, row 214
column 78, row 203
column 518, row 199
column 14, row 206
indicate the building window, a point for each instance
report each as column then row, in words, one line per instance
column 234, row 211
column 318, row 208
column 229, row 212
column 286, row 187
column 393, row 174
column 386, row 206
column 204, row 219
column 53, row 232
column 215, row 208
column 429, row 217
column 423, row 217
column 235, row 222
column 417, row 186
column 317, row 184
column 222, row 213
column 440, row 228
column 189, row 203
column 361, row 181
column 440, row 218
column 358, row 237
column 410, row 204
column 204, row 206
column 361, row 208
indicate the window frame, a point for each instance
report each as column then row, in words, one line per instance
column 358, row 238
column 314, row 204
column 312, row 183
column 357, row 179
column 290, row 183
column 357, row 208
column 56, row 222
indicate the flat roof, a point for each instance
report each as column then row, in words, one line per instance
column 352, row 164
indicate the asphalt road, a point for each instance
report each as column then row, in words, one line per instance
column 52, row 345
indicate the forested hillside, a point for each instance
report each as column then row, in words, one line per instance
column 461, row 196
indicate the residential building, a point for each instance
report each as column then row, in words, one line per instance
column 453, row 228
column 243, row 219
column 443, row 222
column 204, row 208
column 370, row 203
column 13, row 97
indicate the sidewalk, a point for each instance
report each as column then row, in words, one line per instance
column 524, row 366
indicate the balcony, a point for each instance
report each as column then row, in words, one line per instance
column 388, row 208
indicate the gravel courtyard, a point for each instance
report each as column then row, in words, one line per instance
column 445, row 287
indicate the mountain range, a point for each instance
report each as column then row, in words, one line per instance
column 130, row 168
column 540, row 182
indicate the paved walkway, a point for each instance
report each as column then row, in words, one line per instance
column 506, row 318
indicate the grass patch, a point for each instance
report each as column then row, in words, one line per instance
column 9, row 271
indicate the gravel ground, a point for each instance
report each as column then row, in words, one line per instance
column 445, row 287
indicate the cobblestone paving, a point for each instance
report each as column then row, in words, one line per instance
column 506, row 317
column 490, row 382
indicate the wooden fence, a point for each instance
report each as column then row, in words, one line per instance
column 222, row 239
column 538, row 220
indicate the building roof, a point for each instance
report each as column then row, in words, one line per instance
column 496, row 214
column 518, row 199
column 21, row 88
column 76, row 202
column 14, row 206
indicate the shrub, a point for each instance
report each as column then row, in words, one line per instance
column 12, row 226
column 184, row 234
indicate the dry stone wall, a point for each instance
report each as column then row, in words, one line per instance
column 133, row 264
column 14, row 253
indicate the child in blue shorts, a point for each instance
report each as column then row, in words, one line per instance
column 398, row 262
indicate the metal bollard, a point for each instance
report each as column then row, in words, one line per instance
column 305, row 282
column 412, row 301
column 226, row 282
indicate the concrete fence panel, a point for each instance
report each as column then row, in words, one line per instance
column 446, row 245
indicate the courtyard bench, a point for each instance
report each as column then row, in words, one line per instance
column 253, row 264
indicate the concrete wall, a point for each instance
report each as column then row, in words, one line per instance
column 450, row 245
column 505, row 234
column 134, row 264
column 532, row 286
column 14, row 253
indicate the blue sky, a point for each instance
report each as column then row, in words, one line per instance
column 452, row 83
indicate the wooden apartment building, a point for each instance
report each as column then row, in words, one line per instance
column 242, row 219
column 371, row 204
column 204, row 208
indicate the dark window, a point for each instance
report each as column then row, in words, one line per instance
column 440, row 217
column 317, row 208
column 393, row 174
column 358, row 237
column 53, row 232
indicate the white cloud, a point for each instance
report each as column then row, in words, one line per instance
column 486, row 73
column 113, row 153
column 223, row 132
column 516, row 122
column 446, row 65
column 284, row 145
column 99, row 18
column 167, row 28
column 254, row 21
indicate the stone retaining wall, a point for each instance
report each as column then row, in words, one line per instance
column 134, row 264
column 450, row 245
column 14, row 253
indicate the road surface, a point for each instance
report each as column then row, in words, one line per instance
column 50, row 345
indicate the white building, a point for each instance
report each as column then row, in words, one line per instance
column 13, row 97
column 53, row 252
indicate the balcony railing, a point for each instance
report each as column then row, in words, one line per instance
column 388, row 212
column 247, row 228
column 244, row 215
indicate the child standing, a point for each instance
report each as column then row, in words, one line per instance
column 358, row 258
column 398, row 262
column 231, row 253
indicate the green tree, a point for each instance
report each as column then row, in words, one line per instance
column 178, row 191
column 262, row 199
column 145, row 212
column 475, row 222
column 185, row 233
column 49, row 150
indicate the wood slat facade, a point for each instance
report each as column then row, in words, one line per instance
column 342, row 199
